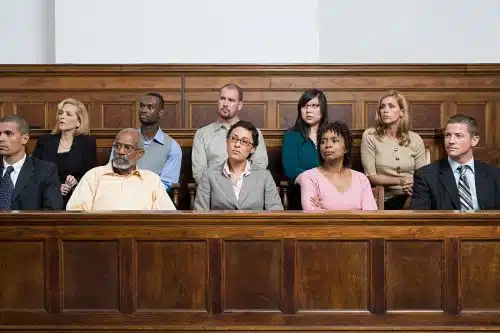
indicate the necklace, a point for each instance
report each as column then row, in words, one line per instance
column 65, row 147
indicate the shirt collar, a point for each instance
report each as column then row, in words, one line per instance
column 455, row 165
column 220, row 125
column 17, row 166
column 227, row 173
column 159, row 137
column 110, row 172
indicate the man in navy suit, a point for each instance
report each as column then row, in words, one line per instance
column 457, row 181
column 26, row 183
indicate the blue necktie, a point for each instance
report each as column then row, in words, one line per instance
column 464, row 192
column 6, row 190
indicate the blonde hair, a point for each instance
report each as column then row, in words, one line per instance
column 81, row 113
column 403, row 126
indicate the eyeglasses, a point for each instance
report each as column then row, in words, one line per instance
column 128, row 148
column 244, row 142
column 312, row 106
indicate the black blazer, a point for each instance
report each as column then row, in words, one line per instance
column 37, row 187
column 434, row 187
column 82, row 156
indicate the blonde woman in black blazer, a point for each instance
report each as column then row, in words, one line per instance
column 69, row 145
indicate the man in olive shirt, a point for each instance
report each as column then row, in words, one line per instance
column 209, row 144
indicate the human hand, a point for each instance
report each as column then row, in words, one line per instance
column 407, row 185
column 71, row 181
column 316, row 202
column 65, row 189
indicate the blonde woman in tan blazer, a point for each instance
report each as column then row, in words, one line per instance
column 390, row 152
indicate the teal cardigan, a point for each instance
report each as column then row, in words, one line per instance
column 298, row 154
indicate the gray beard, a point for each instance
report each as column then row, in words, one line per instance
column 122, row 164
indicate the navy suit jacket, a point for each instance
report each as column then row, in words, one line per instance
column 37, row 186
column 434, row 187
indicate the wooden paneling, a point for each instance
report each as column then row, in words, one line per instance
column 22, row 275
column 425, row 115
column 158, row 288
column 34, row 113
column 415, row 280
column 286, row 114
column 332, row 275
column 341, row 112
column 480, row 269
column 252, row 275
column 90, row 275
column 234, row 271
column 118, row 115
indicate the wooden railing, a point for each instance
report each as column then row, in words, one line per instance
column 186, row 271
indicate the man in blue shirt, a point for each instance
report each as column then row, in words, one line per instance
column 457, row 181
column 162, row 154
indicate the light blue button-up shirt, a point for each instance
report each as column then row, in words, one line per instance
column 471, row 178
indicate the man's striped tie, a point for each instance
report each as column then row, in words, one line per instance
column 464, row 189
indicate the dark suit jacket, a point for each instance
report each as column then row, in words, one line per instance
column 37, row 187
column 434, row 187
column 82, row 156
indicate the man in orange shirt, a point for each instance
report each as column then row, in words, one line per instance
column 120, row 185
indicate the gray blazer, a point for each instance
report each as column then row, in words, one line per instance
column 258, row 192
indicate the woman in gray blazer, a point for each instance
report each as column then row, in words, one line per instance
column 237, row 184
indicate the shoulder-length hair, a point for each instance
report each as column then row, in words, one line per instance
column 300, row 125
column 81, row 113
column 403, row 126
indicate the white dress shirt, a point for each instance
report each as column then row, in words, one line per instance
column 239, row 182
column 17, row 169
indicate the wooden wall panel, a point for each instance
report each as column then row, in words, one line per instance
column 34, row 113
column 158, row 288
column 255, row 113
column 171, row 117
column 90, row 275
column 341, row 112
column 252, row 275
column 480, row 269
column 22, row 275
column 286, row 114
column 414, row 281
column 425, row 115
column 118, row 115
column 332, row 275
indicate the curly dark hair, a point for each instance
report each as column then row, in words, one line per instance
column 341, row 129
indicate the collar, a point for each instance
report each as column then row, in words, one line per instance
column 110, row 172
column 219, row 124
column 17, row 166
column 227, row 173
column 159, row 136
column 454, row 164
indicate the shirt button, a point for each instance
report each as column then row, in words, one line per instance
column 397, row 168
column 395, row 149
column 399, row 172
column 397, row 158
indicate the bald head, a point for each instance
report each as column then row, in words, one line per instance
column 128, row 148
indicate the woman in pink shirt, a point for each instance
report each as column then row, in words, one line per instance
column 334, row 185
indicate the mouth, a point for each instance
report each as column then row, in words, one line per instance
column 236, row 152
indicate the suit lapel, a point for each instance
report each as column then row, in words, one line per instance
column 24, row 177
column 448, row 181
column 483, row 186
column 246, row 189
column 52, row 148
column 227, row 188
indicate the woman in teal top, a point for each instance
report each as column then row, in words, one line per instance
column 299, row 152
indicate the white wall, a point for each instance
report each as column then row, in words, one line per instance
column 257, row 31
column 27, row 32
column 409, row 31
column 188, row 31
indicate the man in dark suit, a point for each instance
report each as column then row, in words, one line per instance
column 457, row 181
column 26, row 183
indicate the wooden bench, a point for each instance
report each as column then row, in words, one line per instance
column 250, row 271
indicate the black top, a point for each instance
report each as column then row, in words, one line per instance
column 81, row 157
